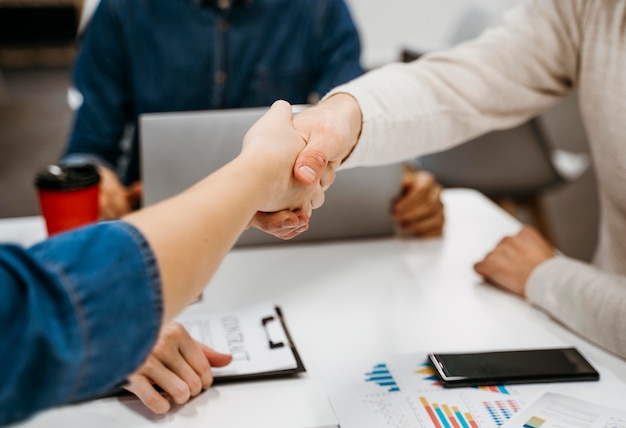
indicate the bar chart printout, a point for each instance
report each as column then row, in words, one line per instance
column 554, row 410
column 381, row 376
column 445, row 416
column 469, row 409
column 400, row 392
column 534, row 422
column 429, row 378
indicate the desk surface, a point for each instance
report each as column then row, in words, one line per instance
column 340, row 299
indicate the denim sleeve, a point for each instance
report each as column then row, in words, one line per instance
column 101, row 75
column 339, row 46
column 79, row 312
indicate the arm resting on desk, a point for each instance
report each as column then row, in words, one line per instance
column 584, row 298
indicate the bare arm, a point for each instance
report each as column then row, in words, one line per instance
column 191, row 233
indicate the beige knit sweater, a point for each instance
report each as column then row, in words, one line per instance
column 543, row 50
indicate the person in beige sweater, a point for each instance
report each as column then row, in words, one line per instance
column 543, row 50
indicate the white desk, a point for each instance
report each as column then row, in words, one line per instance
column 382, row 296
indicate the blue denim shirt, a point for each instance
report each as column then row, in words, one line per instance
column 79, row 312
column 176, row 55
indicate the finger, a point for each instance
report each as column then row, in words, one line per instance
column 105, row 211
column 328, row 178
column 279, row 223
column 317, row 200
column 493, row 266
column 418, row 212
column 304, row 225
column 143, row 389
column 422, row 190
column 213, row 359
column 278, row 116
column 216, row 359
column 160, row 374
column 196, row 371
column 133, row 194
column 171, row 383
column 484, row 267
column 406, row 181
column 430, row 226
column 311, row 163
column 296, row 232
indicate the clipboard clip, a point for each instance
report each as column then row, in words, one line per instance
column 272, row 344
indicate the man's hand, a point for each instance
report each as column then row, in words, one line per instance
column 115, row 199
column 288, row 224
column 330, row 130
column 510, row 264
column 419, row 210
column 179, row 365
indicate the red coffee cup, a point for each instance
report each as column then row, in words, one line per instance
column 68, row 196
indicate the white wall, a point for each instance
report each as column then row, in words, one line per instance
column 387, row 26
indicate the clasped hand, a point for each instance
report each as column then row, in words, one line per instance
column 277, row 128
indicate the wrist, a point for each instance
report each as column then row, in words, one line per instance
column 345, row 106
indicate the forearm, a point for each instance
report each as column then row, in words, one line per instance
column 191, row 233
column 587, row 300
column 497, row 81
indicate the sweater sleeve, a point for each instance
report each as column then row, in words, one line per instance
column 509, row 74
column 590, row 301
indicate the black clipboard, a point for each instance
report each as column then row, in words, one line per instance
column 277, row 317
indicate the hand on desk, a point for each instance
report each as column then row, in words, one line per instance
column 179, row 365
column 419, row 210
column 512, row 261
column 116, row 200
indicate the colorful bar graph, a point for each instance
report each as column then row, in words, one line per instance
column 450, row 416
column 430, row 412
column 501, row 410
column 471, row 420
column 427, row 370
column 381, row 375
column 444, row 416
column 534, row 422
column 495, row 388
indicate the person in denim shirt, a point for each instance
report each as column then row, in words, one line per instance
column 68, row 302
column 145, row 56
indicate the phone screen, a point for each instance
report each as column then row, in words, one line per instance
column 523, row 366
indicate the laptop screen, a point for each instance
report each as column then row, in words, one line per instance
column 178, row 149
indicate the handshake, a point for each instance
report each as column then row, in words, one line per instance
column 295, row 158
column 300, row 155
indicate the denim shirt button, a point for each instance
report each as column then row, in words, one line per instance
column 223, row 25
column 219, row 77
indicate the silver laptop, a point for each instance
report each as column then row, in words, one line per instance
column 178, row 149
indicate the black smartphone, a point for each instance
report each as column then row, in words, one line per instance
column 510, row 367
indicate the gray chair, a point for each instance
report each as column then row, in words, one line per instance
column 512, row 167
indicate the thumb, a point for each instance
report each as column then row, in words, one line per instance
column 133, row 193
column 279, row 114
column 216, row 359
column 311, row 162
